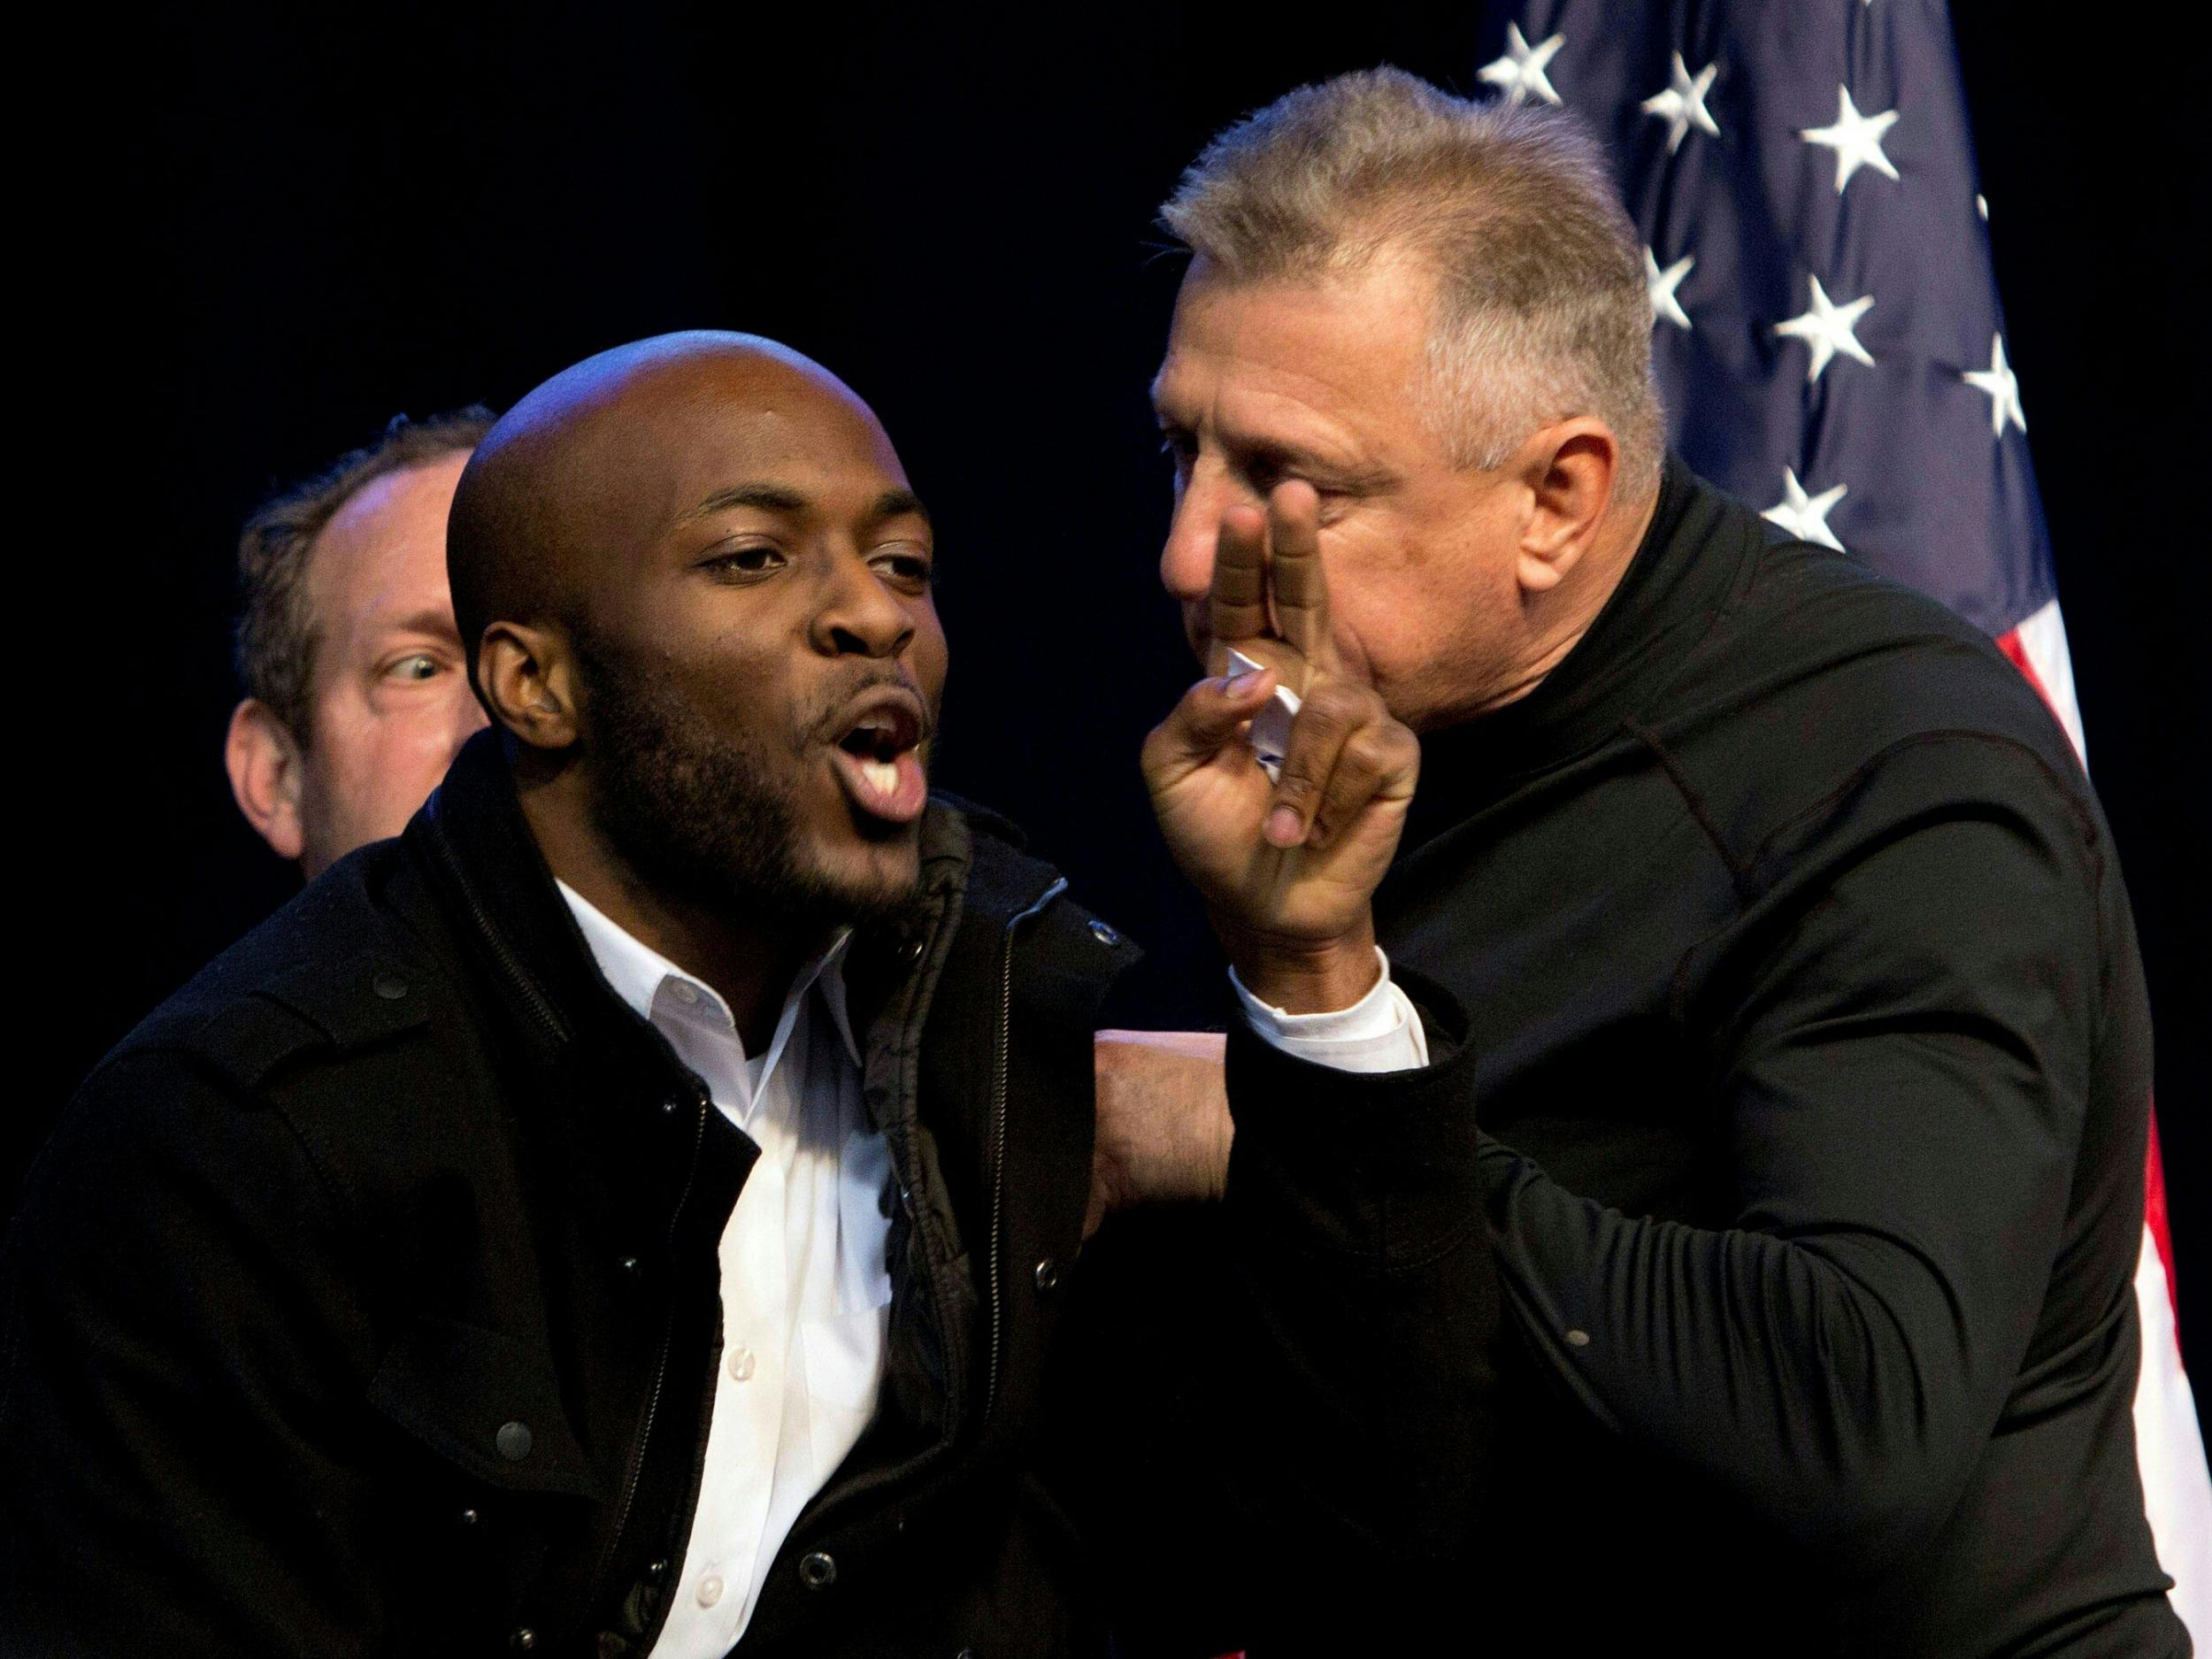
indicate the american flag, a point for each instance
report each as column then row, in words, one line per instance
column 1827, row 335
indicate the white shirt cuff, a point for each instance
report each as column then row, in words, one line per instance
column 1379, row 1033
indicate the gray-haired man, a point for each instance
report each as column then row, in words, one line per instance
column 1801, row 1052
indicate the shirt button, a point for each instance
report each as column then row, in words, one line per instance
column 710, row 1589
column 818, row 1570
column 391, row 986
column 741, row 1364
column 513, row 1440
column 1577, row 1339
column 683, row 990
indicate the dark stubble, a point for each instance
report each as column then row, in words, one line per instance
column 704, row 815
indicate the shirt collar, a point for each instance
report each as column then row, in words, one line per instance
column 644, row 978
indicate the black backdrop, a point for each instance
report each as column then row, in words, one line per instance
column 268, row 232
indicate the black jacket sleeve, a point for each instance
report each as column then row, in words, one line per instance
column 1371, row 1296
column 175, row 1308
column 1283, row 1399
column 1899, row 1080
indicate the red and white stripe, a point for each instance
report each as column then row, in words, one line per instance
column 2169, row 1447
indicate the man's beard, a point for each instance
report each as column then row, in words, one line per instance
column 703, row 816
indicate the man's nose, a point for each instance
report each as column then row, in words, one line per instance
column 1186, row 560
column 861, row 617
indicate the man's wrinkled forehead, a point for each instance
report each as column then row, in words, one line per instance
column 1297, row 371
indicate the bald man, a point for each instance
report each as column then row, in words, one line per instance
column 632, row 1210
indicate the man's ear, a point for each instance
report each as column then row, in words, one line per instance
column 267, row 776
column 1569, row 468
column 527, row 676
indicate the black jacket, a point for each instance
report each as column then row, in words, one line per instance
column 366, row 1300
column 1812, row 1054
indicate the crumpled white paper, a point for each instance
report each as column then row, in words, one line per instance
column 1270, row 733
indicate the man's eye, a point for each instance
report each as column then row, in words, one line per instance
column 421, row 665
column 905, row 566
column 756, row 560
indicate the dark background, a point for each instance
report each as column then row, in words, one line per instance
column 270, row 232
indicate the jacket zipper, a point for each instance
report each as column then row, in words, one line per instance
column 998, row 1139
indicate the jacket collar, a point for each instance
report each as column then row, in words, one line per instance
column 487, row 869
column 485, row 864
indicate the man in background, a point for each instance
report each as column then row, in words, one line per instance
column 356, row 698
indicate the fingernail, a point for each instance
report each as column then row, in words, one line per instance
column 1283, row 827
column 1240, row 685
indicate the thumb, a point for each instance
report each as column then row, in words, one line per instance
column 1207, row 719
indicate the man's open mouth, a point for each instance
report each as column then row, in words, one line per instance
column 877, row 760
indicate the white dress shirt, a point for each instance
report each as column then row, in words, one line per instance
column 806, row 1293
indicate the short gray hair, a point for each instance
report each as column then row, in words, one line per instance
column 1541, row 307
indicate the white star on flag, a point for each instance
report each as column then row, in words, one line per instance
column 1857, row 139
column 1805, row 516
column 1661, row 286
column 1521, row 70
column 1682, row 106
column 2002, row 387
column 1827, row 328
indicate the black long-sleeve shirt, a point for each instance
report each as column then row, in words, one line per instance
column 1810, row 1056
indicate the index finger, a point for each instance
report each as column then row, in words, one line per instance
column 1301, row 592
column 1240, row 587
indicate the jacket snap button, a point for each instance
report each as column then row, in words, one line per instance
column 1047, row 1275
column 631, row 1265
column 467, row 1518
column 1105, row 933
column 656, row 1572
column 513, row 1440
column 817, row 1571
column 391, row 986
column 524, row 1639
column 911, row 950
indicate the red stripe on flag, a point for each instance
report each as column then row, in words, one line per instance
column 2154, row 1218
column 2017, row 653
